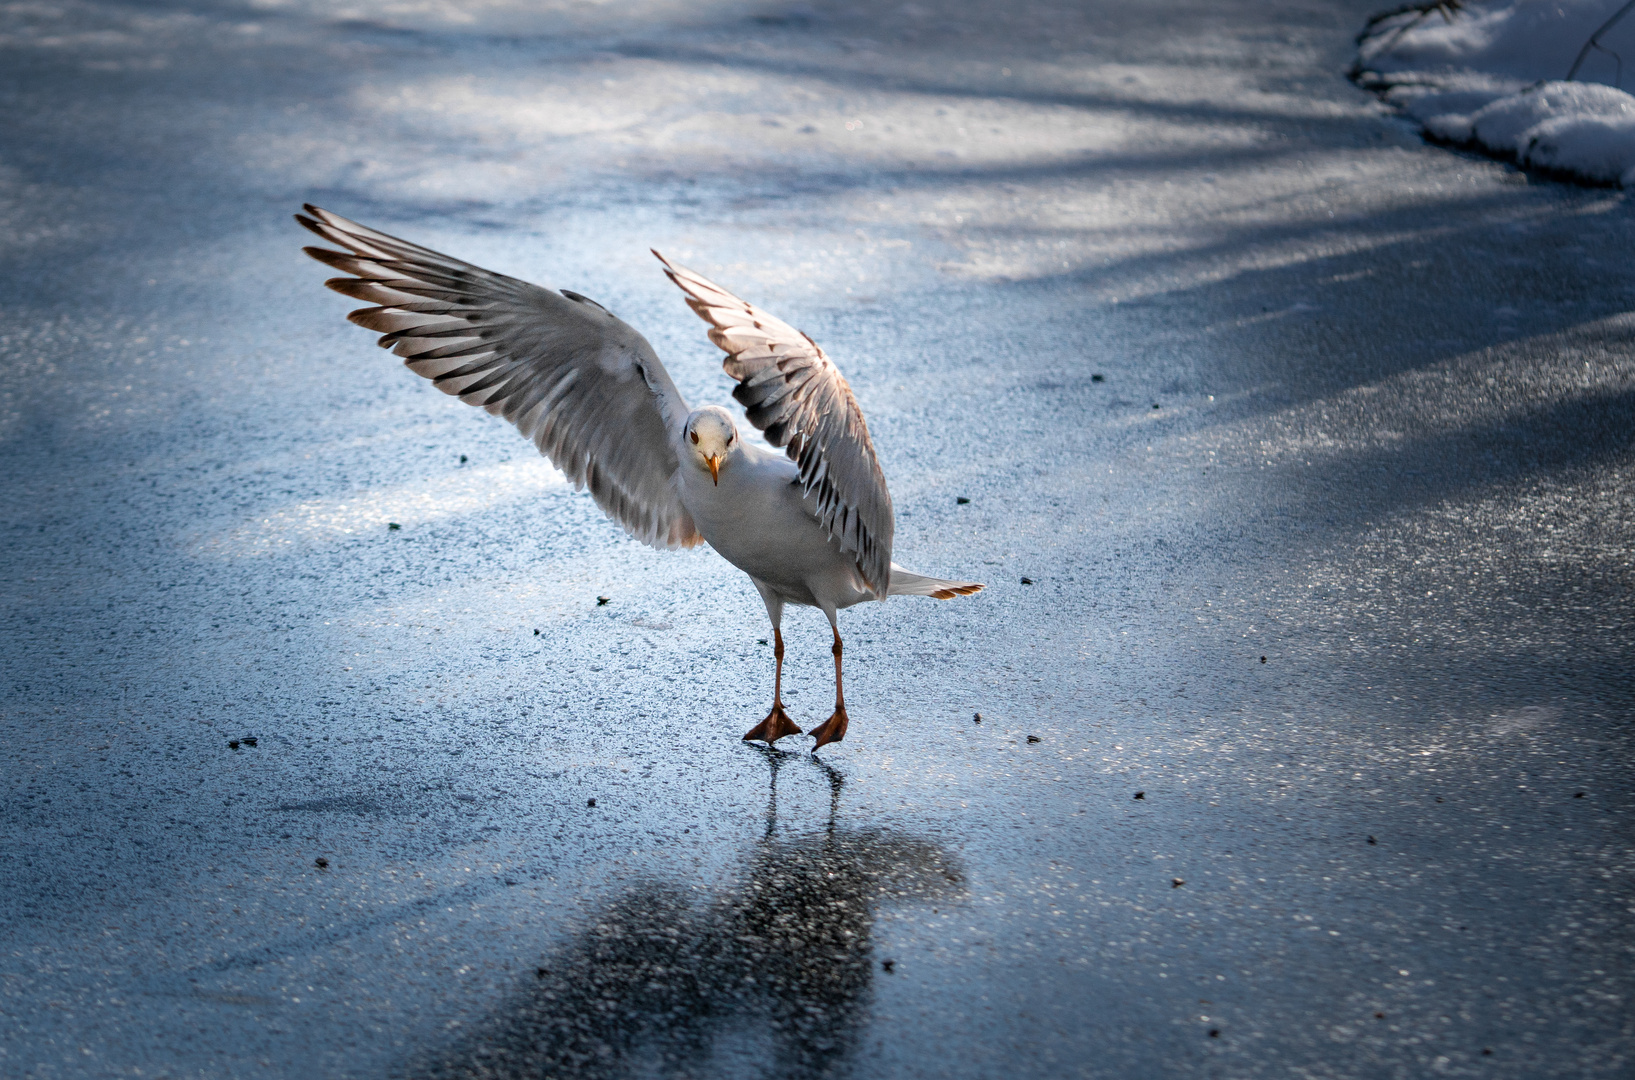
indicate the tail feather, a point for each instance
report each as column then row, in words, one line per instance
column 908, row 583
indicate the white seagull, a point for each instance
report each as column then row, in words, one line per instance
column 812, row 528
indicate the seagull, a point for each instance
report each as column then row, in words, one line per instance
column 811, row 526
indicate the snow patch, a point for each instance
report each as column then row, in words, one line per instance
column 1490, row 76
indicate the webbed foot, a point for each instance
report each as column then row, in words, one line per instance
column 831, row 730
column 776, row 725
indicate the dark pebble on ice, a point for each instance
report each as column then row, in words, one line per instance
column 590, row 802
column 1176, row 883
column 1098, row 377
column 1033, row 738
column 321, row 863
column 961, row 500
column 976, row 718
column 392, row 526
column 1485, row 1050
column 1379, row 1016
column 887, row 965
column 248, row 740
column 540, row 973
column 1027, row 581
column 1141, row 794
column 536, row 633
column 462, row 459
column 1578, row 794
column 602, row 601
column 760, row 641
column 1439, row 798
column 1371, row 840
column 1214, row 1033
column 1155, row 404
column 232, row 744
column 1262, row 659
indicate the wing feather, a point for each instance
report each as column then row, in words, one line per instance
column 793, row 393
column 584, row 386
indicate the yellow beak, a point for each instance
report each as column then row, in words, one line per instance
column 714, row 462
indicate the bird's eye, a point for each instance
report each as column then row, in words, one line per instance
column 730, row 438
column 694, row 435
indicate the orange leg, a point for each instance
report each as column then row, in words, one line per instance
column 834, row 728
column 777, row 723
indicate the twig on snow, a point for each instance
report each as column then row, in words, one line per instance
column 1425, row 8
column 1595, row 43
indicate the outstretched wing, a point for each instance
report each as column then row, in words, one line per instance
column 792, row 392
column 584, row 386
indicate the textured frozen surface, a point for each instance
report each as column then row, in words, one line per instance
column 1365, row 410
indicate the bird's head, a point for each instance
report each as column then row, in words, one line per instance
column 711, row 438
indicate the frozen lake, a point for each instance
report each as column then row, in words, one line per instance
column 1315, row 442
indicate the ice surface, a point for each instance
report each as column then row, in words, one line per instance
column 1391, row 454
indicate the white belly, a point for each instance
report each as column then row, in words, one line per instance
column 756, row 519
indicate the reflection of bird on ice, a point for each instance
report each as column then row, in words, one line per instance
column 812, row 528
column 779, row 970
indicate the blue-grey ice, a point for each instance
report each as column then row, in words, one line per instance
column 1312, row 441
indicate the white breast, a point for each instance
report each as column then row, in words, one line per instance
column 756, row 519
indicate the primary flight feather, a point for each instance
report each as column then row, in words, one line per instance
column 811, row 527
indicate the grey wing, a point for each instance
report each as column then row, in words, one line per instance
column 584, row 386
column 795, row 394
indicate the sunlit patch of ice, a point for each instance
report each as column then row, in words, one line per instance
column 324, row 521
column 1524, row 720
column 508, row 16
